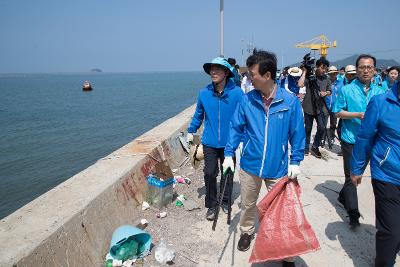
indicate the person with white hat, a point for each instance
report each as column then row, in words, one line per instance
column 349, row 74
column 215, row 106
column 290, row 83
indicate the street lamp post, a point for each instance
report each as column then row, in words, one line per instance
column 242, row 53
column 221, row 11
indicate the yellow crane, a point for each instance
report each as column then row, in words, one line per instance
column 320, row 43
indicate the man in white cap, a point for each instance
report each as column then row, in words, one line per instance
column 350, row 73
column 215, row 104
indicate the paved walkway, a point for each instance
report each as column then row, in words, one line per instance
column 321, row 180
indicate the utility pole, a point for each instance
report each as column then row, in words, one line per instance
column 221, row 11
column 242, row 53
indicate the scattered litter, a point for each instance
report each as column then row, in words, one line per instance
column 174, row 170
column 183, row 142
column 160, row 192
column 162, row 214
column 127, row 243
column 128, row 263
column 145, row 205
column 113, row 263
column 181, row 198
column 178, row 203
column 144, row 222
column 182, row 179
column 163, row 253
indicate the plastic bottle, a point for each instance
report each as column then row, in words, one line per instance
column 163, row 254
column 127, row 250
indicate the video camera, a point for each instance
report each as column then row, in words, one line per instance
column 319, row 105
column 308, row 63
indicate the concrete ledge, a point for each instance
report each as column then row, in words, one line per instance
column 71, row 225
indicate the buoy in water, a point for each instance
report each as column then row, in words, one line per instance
column 87, row 86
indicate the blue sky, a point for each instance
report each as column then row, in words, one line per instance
column 180, row 35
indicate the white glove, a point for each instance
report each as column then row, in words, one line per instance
column 189, row 138
column 228, row 164
column 293, row 171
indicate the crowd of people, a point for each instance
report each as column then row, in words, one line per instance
column 266, row 110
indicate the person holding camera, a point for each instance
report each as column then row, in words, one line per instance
column 215, row 105
column 314, row 104
column 268, row 119
column 350, row 105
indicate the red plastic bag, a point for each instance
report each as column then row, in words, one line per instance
column 284, row 230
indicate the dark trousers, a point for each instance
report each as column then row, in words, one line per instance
column 211, row 169
column 332, row 122
column 339, row 129
column 332, row 127
column 308, row 122
column 348, row 194
column 387, row 207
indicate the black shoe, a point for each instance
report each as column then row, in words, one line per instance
column 288, row 264
column 315, row 152
column 210, row 215
column 306, row 152
column 244, row 242
column 354, row 216
column 340, row 154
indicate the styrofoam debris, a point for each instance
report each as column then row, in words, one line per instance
column 145, row 205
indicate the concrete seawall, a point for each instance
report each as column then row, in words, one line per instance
column 72, row 224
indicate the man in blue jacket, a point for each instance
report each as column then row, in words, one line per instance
column 267, row 118
column 215, row 104
column 379, row 139
column 330, row 100
column 350, row 106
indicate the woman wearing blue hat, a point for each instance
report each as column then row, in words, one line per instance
column 215, row 105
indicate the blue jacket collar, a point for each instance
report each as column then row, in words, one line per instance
column 278, row 96
column 361, row 86
column 228, row 86
column 394, row 94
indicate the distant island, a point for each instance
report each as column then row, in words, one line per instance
column 380, row 63
column 96, row 70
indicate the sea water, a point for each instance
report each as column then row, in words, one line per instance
column 50, row 129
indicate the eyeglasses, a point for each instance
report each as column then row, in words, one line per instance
column 366, row 67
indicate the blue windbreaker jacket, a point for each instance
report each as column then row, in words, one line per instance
column 330, row 99
column 265, row 151
column 379, row 137
column 386, row 86
column 216, row 112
